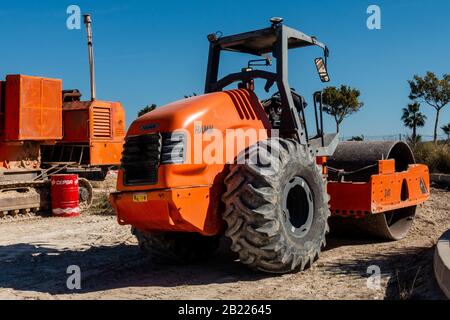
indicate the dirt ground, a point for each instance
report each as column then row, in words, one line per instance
column 34, row 257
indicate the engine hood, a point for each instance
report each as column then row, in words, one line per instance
column 220, row 110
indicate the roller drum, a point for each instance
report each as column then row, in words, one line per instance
column 354, row 155
column 360, row 161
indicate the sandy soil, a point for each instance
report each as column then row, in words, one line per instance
column 34, row 257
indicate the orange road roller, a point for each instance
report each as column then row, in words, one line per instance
column 228, row 163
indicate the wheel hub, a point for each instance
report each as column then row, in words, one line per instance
column 298, row 207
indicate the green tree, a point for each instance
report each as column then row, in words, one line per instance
column 413, row 141
column 146, row 109
column 432, row 90
column 446, row 130
column 412, row 118
column 341, row 103
column 356, row 138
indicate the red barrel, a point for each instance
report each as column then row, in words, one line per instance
column 65, row 195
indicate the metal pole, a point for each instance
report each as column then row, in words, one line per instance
column 88, row 23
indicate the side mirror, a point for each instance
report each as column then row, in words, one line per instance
column 322, row 70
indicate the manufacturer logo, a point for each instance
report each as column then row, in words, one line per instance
column 150, row 126
column 65, row 182
column 199, row 129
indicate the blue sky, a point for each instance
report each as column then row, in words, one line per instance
column 156, row 51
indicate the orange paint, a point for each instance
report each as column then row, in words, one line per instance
column 32, row 108
column 389, row 190
column 99, row 124
column 32, row 115
column 187, row 196
column 182, row 210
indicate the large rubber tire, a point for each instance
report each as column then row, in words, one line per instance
column 264, row 200
column 390, row 226
column 178, row 246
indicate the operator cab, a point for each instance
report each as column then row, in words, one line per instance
column 273, row 105
column 286, row 108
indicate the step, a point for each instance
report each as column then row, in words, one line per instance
column 442, row 263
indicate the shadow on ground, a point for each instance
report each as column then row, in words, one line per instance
column 37, row 268
column 336, row 241
column 410, row 270
column 40, row 268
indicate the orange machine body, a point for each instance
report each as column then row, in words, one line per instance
column 98, row 127
column 388, row 190
column 36, row 127
column 186, row 196
column 30, row 115
column 32, row 109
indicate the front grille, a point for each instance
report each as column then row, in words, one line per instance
column 141, row 159
column 142, row 156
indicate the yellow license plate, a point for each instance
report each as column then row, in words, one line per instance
column 140, row 197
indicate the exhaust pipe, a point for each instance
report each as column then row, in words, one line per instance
column 88, row 23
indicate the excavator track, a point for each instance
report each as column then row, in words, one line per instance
column 27, row 210
column 35, row 196
column 21, row 217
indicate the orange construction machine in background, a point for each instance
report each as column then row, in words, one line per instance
column 45, row 130
column 87, row 136
column 93, row 136
column 94, row 130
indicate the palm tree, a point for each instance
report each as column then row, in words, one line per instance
column 446, row 130
column 412, row 118
column 433, row 91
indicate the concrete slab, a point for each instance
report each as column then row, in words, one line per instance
column 441, row 179
column 442, row 263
